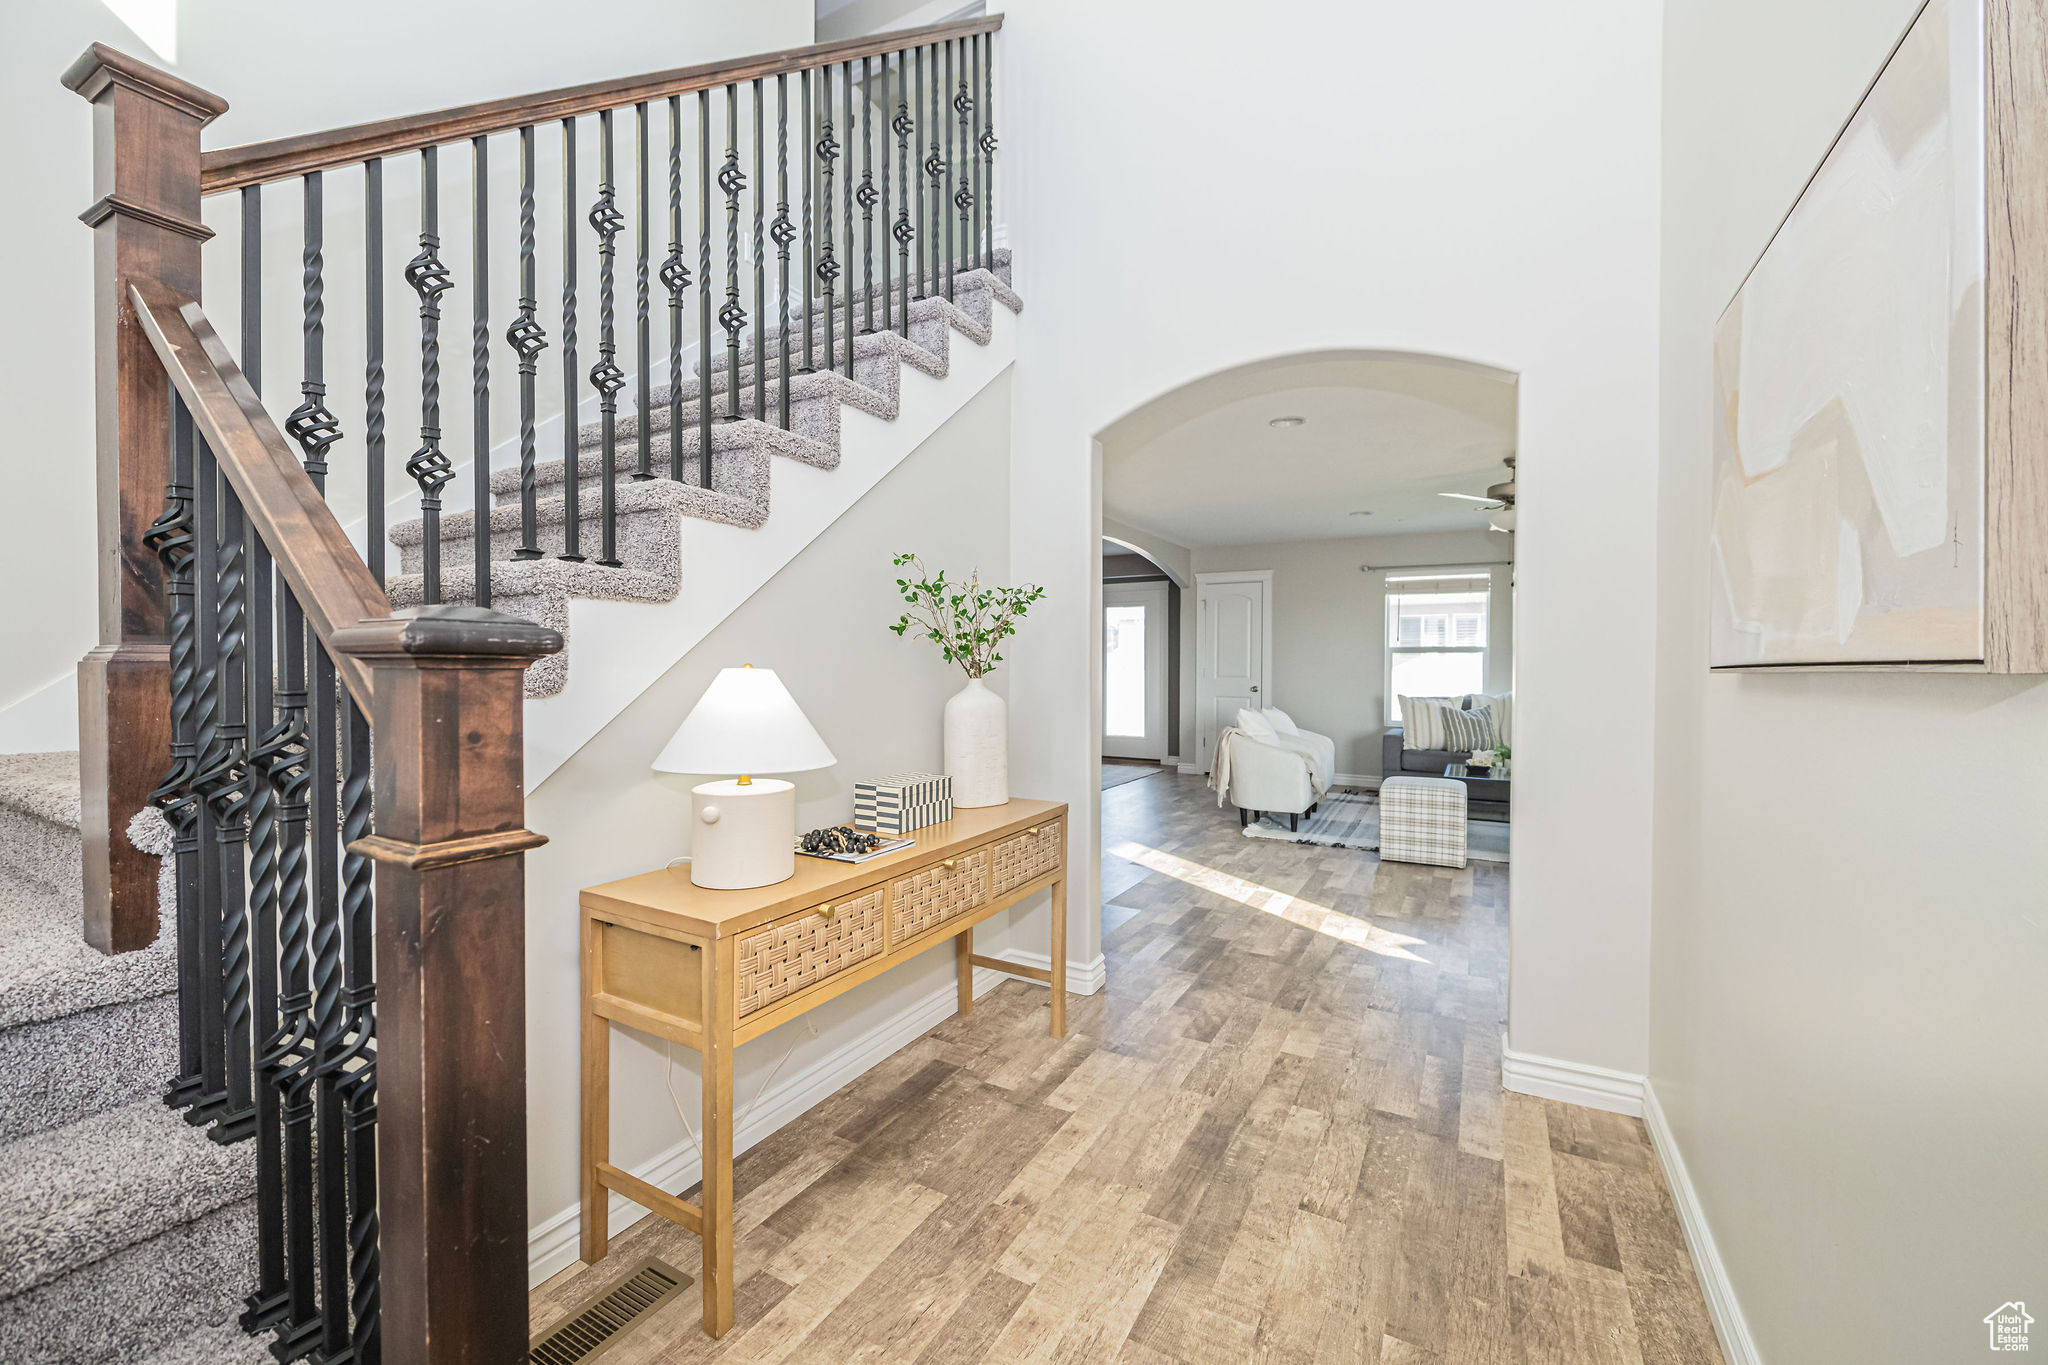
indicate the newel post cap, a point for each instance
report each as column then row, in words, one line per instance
column 100, row 66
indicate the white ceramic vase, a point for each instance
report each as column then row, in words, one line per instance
column 978, row 746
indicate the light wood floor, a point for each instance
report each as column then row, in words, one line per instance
column 1279, row 1135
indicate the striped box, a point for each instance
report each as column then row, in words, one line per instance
column 900, row 804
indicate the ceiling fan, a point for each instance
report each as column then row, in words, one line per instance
column 1499, row 499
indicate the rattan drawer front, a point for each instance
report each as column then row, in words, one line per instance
column 781, row 959
column 1027, row 857
column 937, row 893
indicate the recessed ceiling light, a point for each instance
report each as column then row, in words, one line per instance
column 1361, row 514
column 1287, row 421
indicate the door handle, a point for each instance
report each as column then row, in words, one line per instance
column 1255, row 687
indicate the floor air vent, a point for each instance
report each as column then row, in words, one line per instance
column 592, row 1331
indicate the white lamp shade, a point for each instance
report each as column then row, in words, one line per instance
column 746, row 722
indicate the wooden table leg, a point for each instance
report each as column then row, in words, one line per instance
column 718, row 1116
column 1059, row 958
column 597, row 1103
column 963, row 961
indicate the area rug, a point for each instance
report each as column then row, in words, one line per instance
column 1116, row 774
column 1347, row 818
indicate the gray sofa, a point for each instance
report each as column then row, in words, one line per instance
column 1394, row 759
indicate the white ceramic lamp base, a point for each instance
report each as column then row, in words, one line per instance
column 743, row 834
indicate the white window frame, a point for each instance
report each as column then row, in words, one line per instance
column 1481, row 576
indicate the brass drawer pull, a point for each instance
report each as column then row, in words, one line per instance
column 828, row 912
column 951, row 863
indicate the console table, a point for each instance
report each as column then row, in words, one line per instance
column 713, row 969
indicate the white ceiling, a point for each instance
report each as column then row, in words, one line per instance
column 1203, row 466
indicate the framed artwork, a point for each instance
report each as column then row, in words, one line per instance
column 1880, row 492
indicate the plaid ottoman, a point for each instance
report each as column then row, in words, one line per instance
column 1422, row 820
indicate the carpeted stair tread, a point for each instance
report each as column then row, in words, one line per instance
column 47, row 970
column 57, row 1071
column 222, row 1344
column 71, row 1196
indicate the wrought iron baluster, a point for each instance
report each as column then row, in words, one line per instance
column 865, row 197
column 429, row 467
column 572, row 429
column 881, row 107
column 917, row 116
column 783, row 233
column 704, row 389
column 356, row 1085
column 211, row 764
column 903, row 230
column 809, row 215
column 732, row 317
column 286, row 1060
column 946, row 192
column 973, row 148
column 963, row 195
column 171, row 536
column 329, row 1019
column 373, row 368
column 230, row 797
column 846, row 202
column 605, row 376
column 643, row 335
column 828, row 265
column 675, row 277
column 935, row 171
column 528, row 339
column 760, row 266
column 480, row 368
column 988, row 146
column 311, row 424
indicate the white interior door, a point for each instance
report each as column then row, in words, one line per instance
column 1232, row 652
column 1134, row 670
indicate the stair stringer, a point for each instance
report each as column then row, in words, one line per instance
column 621, row 648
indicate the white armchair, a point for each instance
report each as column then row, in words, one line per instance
column 1261, row 767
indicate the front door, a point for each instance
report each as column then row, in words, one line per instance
column 1134, row 671
column 1230, row 654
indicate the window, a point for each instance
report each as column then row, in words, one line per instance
column 1123, row 671
column 1436, row 636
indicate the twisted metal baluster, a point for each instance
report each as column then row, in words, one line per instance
column 963, row 197
column 732, row 317
column 356, row 1090
column 675, row 277
column 480, row 370
column 935, row 171
column 572, row 434
column 974, row 251
column 952, row 250
column 429, row 467
column 760, row 268
column 311, row 424
column 329, row 1017
column 528, row 339
column 605, row 376
column 172, row 538
column 809, row 215
column 866, row 196
column 828, row 266
column 783, row 233
column 988, row 146
column 373, row 366
column 211, row 770
column 704, row 289
column 846, row 202
column 917, row 114
column 903, row 231
column 230, row 798
column 644, row 328
column 882, row 106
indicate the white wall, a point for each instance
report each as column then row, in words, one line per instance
column 283, row 69
column 1848, row 948
column 1477, row 181
column 1329, row 624
column 822, row 624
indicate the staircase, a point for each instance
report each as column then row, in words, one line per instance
column 128, row 1235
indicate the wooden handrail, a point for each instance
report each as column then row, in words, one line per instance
column 257, row 163
column 333, row 585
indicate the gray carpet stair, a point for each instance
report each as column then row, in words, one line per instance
column 650, row 512
column 123, row 1230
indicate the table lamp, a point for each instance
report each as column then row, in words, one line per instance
column 745, row 830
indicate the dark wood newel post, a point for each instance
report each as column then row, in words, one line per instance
column 450, row 832
column 145, row 222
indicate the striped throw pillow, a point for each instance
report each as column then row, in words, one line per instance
column 1469, row 731
column 1502, row 704
column 1422, row 725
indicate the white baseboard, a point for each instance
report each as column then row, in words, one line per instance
column 552, row 1246
column 1596, row 1087
column 1737, row 1346
column 44, row 721
column 1190, row 770
column 1370, row 781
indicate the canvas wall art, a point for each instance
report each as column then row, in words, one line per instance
column 1850, row 371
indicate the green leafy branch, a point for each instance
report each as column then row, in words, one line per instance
column 965, row 620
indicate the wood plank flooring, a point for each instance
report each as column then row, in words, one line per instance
column 1278, row 1136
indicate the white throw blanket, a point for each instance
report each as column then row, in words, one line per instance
column 1316, row 754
